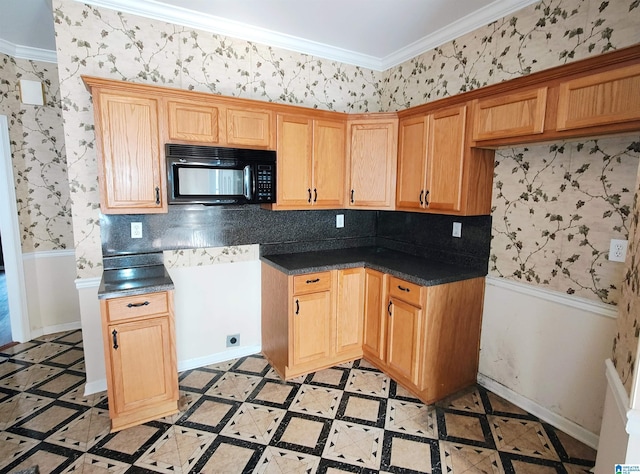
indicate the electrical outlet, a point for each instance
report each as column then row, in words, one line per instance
column 457, row 229
column 136, row 230
column 618, row 250
column 339, row 221
column 233, row 340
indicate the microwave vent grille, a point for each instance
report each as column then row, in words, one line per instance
column 218, row 153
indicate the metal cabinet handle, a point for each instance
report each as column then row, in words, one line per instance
column 114, row 333
column 297, row 307
column 309, row 191
column 402, row 288
column 137, row 305
column 352, row 201
column 157, row 195
column 316, row 280
column 315, row 195
column 426, row 198
column 389, row 308
column 421, row 194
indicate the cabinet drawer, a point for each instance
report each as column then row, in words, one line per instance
column 311, row 282
column 129, row 307
column 405, row 291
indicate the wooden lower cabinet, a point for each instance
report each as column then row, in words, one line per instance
column 140, row 358
column 310, row 321
column 427, row 338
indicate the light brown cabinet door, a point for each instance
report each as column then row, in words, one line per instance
column 249, row 127
column 412, row 156
column 192, row 121
column 295, row 141
column 372, row 163
column 600, row 99
column 349, row 310
column 374, row 315
column 510, row 115
column 329, row 156
column 311, row 321
column 143, row 370
column 445, row 159
column 403, row 339
column 131, row 169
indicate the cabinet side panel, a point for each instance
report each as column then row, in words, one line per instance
column 349, row 312
column 452, row 335
column 275, row 315
column 374, row 314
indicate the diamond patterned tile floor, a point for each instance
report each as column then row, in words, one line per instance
column 238, row 416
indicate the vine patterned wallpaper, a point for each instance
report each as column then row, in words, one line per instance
column 101, row 42
column 38, row 154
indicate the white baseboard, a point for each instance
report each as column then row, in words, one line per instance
column 101, row 385
column 94, row 387
column 218, row 357
column 569, row 427
column 45, row 331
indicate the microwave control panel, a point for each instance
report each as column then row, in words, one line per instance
column 265, row 183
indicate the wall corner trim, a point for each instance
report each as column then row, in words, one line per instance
column 595, row 307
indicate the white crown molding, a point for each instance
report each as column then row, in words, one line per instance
column 467, row 24
column 181, row 16
column 26, row 52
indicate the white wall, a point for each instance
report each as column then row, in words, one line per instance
column 52, row 300
column 545, row 351
column 210, row 302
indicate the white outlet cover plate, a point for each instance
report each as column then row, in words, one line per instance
column 136, row 230
column 618, row 250
column 339, row 221
column 457, row 229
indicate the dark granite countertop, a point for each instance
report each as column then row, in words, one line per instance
column 134, row 281
column 418, row 270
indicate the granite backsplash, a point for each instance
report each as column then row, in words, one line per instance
column 185, row 227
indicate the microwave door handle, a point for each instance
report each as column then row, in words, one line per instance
column 248, row 183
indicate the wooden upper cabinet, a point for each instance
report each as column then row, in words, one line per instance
column 599, row 99
column 445, row 159
column 251, row 128
column 131, row 169
column 191, row 121
column 431, row 161
column 412, row 164
column 311, row 162
column 328, row 163
column 510, row 115
column 295, row 141
column 372, row 157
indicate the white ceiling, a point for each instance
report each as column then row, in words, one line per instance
column 376, row 34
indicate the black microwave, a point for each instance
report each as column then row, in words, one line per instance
column 214, row 175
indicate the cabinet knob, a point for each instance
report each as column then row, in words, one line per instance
column 421, row 194
column 389, row 308
column 315, row 195
column 157, row 195
column 297, row 307
column 352, row 201
column 309, row 191
column 315, row 280
column 426, row 198
column 114, row 333
column 402, row 288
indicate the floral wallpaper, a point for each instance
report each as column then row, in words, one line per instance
column 38, row 154
column 553, row 204
column 210, row 256
column 625, row 342
column 555, row 209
